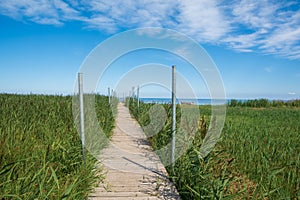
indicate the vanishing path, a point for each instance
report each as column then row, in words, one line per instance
column 133, row 170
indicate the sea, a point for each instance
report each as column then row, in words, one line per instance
column 185, row 101
column 193, row 101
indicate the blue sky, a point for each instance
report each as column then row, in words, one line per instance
column 254, row 44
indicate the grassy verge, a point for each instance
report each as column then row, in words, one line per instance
column 40, row 151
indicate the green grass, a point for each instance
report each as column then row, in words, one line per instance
column 257, row 156
column 40, row 151
column 266, row 148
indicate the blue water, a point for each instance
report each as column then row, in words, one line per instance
column 184, row 101
column 192, row 101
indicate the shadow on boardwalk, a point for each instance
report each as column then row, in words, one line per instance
column 133, row 170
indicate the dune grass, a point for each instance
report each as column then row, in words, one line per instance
column 40, row 151
column 257, row 156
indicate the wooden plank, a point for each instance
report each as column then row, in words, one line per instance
column 134, row 171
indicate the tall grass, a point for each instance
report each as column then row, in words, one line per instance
column 257, row 156
column 195, row 177
column 266, row 148
column 40, row 151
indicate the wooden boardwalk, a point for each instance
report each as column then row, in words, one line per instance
column 133, row 170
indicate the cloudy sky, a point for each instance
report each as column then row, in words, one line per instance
column 255, row 44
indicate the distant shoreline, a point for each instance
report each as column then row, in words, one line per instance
column 205, row 101
column 193, row 101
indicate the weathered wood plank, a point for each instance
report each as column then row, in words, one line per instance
column 134, row 171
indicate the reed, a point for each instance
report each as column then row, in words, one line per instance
column 257, row 156
column 40, row 151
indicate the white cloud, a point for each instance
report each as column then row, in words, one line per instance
column 253, row 13
column 292, row 93
column 274, row 27
column 41, row 12
column 44, row 20
column 266, row 26
column 65, row 9
column 242, row 42
column 101, row 22
column 202, row 20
